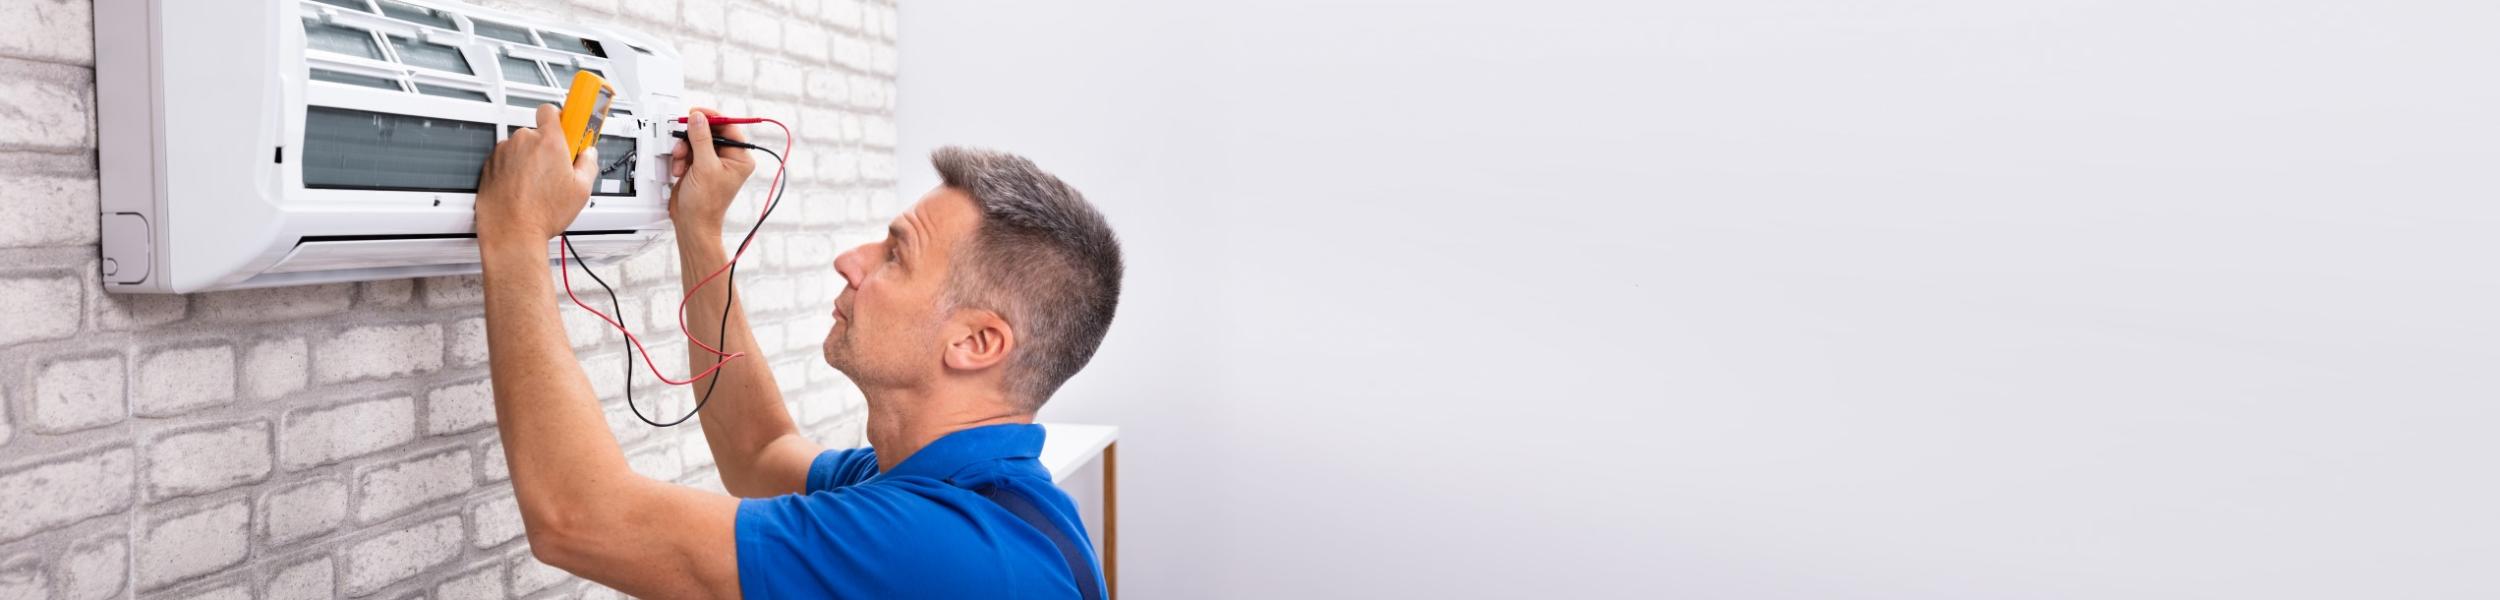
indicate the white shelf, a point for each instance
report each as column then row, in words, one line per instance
column 1067, row 447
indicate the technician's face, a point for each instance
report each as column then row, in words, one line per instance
column 886, row 321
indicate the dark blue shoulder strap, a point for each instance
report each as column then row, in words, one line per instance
column 1088, row 581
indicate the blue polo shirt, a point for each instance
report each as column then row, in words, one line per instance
column 922, row 530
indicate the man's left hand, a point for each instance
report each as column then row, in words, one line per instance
column 527, row 193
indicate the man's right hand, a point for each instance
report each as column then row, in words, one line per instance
column 708, row 177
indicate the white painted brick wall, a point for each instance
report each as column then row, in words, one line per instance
column 310, row 580
column 177, row 546
column 52, row 30
column 23, row 577
column 53, row 210
column 527, row 575
column 460, row 290
column 276, row 368
column 378, row 351
column 304, row 510
column 231, row 592
column 468, row 342
column 115, row 312
column 319, row 435
column 207, row 459
column 275, row 304
column 480, row 583
column 95, row 569
column 5, row 430
column 48, row 495
column 338, row 440
column 386, row 293
column 460, row 407
column 491, row 466
column 393, row 556
column 41, row 307
column 78, row 393
column 34, row 97
column 495, row 522
column 396, row 488
column 755, row 27
column 176, row 380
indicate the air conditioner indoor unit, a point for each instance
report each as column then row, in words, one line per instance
column 282, row 142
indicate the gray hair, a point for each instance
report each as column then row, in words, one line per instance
column 1043, row 258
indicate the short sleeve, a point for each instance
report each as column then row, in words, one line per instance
column 837, row 468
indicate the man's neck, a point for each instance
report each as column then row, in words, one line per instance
column 901, row 422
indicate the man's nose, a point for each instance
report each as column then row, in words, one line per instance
column 849, row 265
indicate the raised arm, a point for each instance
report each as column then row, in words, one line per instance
column 756, row 445
column 584, row 509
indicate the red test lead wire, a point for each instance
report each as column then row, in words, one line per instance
column 789, row 142
column 773, row 197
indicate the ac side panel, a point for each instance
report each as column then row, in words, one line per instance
column 221, row 111
column 127, row 156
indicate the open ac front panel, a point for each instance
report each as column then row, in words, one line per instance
column 286, row 142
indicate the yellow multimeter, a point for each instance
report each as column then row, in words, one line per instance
column 585, row 109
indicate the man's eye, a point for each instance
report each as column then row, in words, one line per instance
column 889, row 253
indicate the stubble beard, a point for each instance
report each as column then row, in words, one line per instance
column 841, row 348
column 838, row 351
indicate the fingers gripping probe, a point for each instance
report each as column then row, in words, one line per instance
column 722, row 141
column 723, row 121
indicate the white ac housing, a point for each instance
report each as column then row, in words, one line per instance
column 254, row 143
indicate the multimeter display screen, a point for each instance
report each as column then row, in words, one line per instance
column 358, row 150
column 598, row 116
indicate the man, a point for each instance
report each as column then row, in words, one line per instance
column 983, row 298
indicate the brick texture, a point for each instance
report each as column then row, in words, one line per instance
column 320, row 435
column 23, row 577
column 308, row 581
column 182, row 545
column 41, row 307
column 228, row 592
column 379, row 351
column 460, row 407
column 80, row 393
column 274, row 304
column 338, row 440
column 177, row 380
column 47, row 495
column 495, row 522
column 208, row 459
column 96, row 569
column 34, row 97
column 49, row 30
column 396, row 488
column 481, row 583
column 53, row 210
column 275, row 368
column 399, row 555
column 305, row 510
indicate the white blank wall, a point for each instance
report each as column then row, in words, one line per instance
column 1942, row 299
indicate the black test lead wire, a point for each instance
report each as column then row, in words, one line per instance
column 772, row 200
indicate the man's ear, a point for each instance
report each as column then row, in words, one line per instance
column 982, row 340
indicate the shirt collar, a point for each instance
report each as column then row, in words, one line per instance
column 954, row 452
